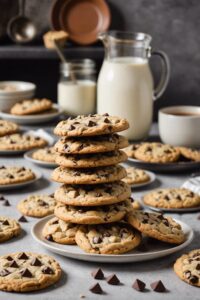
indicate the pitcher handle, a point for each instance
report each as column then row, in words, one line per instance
column 165, row 74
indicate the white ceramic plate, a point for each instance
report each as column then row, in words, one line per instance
column 168, row 167
column 33, row 119
column 156, row 250
column 171, row 210
column 142, row 184
column 28, row 156
column 13, row 186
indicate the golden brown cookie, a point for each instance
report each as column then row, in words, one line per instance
column 7, row 127
column 9, row 228
column 12, row 174
column 31, row 106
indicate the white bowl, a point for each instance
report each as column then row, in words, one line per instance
column 23, row 90
column 179, row 125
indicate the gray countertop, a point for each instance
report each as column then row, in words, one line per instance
column 76, row 278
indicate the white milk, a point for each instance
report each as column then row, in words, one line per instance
column 125, row 89
column 77, row 98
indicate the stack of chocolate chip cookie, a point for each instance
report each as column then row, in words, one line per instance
column 93, row 194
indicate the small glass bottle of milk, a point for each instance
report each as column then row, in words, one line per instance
column 77, row 87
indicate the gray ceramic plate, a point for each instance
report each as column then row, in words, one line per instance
column 28, row 156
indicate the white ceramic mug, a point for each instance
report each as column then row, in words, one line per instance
column 180, row 125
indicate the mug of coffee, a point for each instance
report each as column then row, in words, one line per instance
column 179, row 125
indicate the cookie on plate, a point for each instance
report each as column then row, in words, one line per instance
column 94, row 144
column 11, row 175
column 157, row 153
column 130, row 150
column 187, row 267
column 27, row 271
column 91, row 160
column 88, row 176
column 59, row 231
column 31, row 106
column 172, row 198
column 157, row 226
column 21, row 142
column 93, row 214
column 91, row 125
column 189, row 153
column 37, row 206
column 46, row 154
column 116, row 238
column 7, row 127
column 93, row 195
column 135, row 176
column 8, row 229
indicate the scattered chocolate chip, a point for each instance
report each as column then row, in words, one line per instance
column 47, row 270
column 9, row 258
column 2, row 198
column 106, row 115
column 22, row 219
column 13, row 264
column 2, row 167
column 198, row 267
column 113, row 279
column 5, row 222
column 4, row 273
column 26, row 273
column 97, row 240
column 6, row 203
column 36, row 262
column 139, row 285
column 71, row 127
column 97, row 274
column 91, row 123
column 96, row 289
column 49, row 238
column 106, row 120
column 158, row 286
column 23, row 256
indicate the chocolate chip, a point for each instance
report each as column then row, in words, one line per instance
column 6, row 203
column 198, row 267
column 47, row 270
column 165, row 222
column 26, row 273
column 4, row 273
column 106, row 115
column 49, row 238
column 9, row 258
column 23, row 256
column 139, row 285
column 97, row 274
column 158, row 286
column 13, row 264
column 193, row 279
column 5, row 222
column 97, row 240
column 166, row 198
column 22, row 219
column 113, row 279
column 55, row 222
column 42, row 203
column 106, row 120
column 96, row 289
column 2, row 198
column 91, row 123
column 36, row 262
column 2, row 167
column 71, row 127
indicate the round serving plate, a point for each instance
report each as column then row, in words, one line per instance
column 170, row 210
column 28, row 156
column 142, row 184
column 155, row 250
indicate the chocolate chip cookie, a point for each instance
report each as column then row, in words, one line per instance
column 27, row 271
column 93, row 214
column 59, row 231
column 135, row 176
column 9, row 228
column 31, row 106
column 91, row 160
column 189, row 153
column 93, row 195
column 157, row 153
column 91, row 125
column 88, row 176
column 130, row 150
column 172, row 198
column 157, row 226
column 187, row 267
column 22, row 142
column 37, row 206
column 11, row 175
column 46, row 154
column 113, row 238
column 7, row 127
column 94, row 144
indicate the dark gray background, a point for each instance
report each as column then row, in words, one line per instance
column 173, row 24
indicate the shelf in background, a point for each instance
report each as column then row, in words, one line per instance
column 39, row 52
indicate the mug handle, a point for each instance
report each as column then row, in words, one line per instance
column 165, row 73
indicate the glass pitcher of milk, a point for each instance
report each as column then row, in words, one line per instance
column 125, row 85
